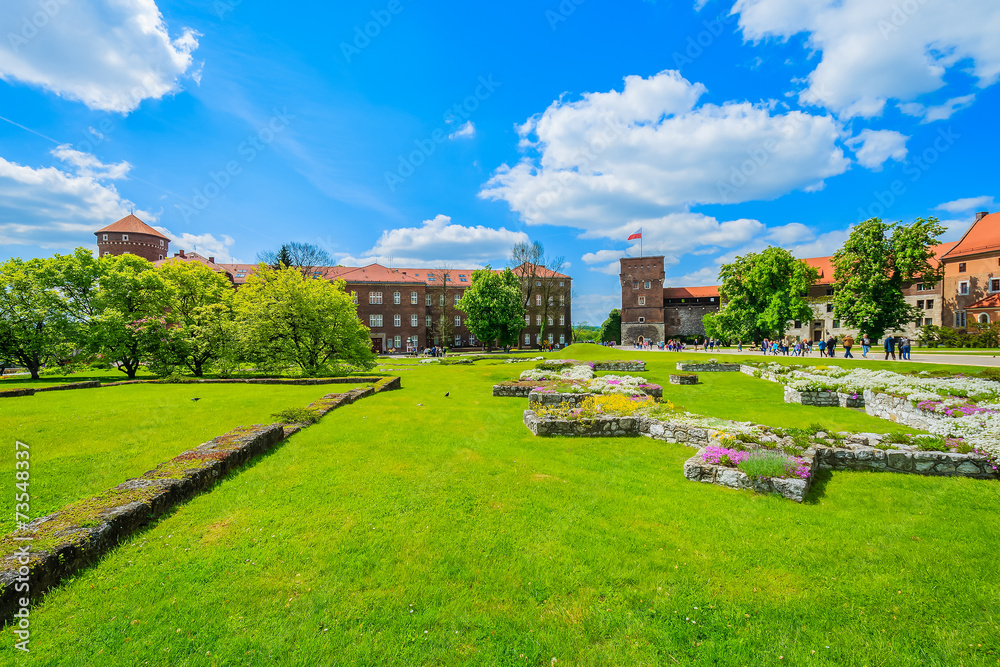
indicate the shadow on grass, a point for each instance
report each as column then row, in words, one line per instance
column 818, row 488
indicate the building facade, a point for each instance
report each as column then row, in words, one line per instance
column 968, row 295
column 405, row 309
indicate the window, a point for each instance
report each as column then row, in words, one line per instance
column 374, row 320
column 829, row 307
column 538, row 320
column 161, row 256
column 551, row 339
column 414, row 321
column 429, row 302
column 458, row 320
column 458, row 341
column 396, row 298
column 562, row 339
column 649, row 285
column 104, row 237
column 375, row 298
column 562, row 320
column 829, row 291
column 984, row 318
column 397, row 342
column 836, row 324
column 930, row 304
column 641, row 320
column 458, row 297
column 538, row 284
column 354, row 295
column 920, row 304
column 538, row 299
column 960, row 321
column 963, row 288
column 562, row 283
column 430, row 278
column 562, row 299
column 397, row 321
column 161, row 243
column 441, row 301
column 551, row 323
column 472, row 339
column 928, row 321
column 798, row 324
column 527, row 339
column 552, row 301
column 414, row 298
column 124, row 237
column 961, row 267
column 429, row 322
column 462, row 278
column 635, row 285
column 995, row 284
column 642, row 301
column 527, row 320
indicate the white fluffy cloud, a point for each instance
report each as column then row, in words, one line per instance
column 205, row 245
column 875, row 147
column 618, row 159
column 60, row 207
column 874, row 51
column 983, row 203
column 109, row 54
column 440, row 242
column 467, row 131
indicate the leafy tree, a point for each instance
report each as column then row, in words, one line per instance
column 532, row 268
column 611, row 330
column 126, row 320
column 302, row 256
column 583, row 333
column 493, row 307
column 286, row 318
column 871, row 268
column 34, row 328
column 442, row 320
column 761, row 293
column 199, row 315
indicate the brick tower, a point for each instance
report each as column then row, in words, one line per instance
column 642, row 300
column 132, row 235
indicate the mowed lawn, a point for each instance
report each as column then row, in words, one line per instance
column 85, row 441
column 418, row 529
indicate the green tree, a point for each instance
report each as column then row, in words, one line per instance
column 611, row 330
column 286, row 318
column 199, row 316
column 761, row 293
column 493, row 307
column 872, row 267
column 34, row 327
column 583, row 333
column 303, row 256
column 125, row 315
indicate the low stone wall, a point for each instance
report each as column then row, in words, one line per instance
column 758, row 373
column 51, row 548
column 599, row 427
column 820, row 399
column 620, row 366
column 682, row 434
column 709, row 368
column 504, row 391
column 683, row 379
column 696, row 470
column 899, row 411
column 15, row 393
column 546, row 399
column 937, row 464
column 851, row 400
column 93, row 384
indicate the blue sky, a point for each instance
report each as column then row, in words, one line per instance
column 441, row 133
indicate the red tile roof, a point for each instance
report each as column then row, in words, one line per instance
column 195, row 257
column 983, row 236
column 826, row 269
column 131, row 225
column 378, row 274
column 990, row 302
column 690, row 292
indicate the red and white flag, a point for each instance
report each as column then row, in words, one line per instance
column 636, row 236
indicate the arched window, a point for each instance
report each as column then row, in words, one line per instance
column 984, row 319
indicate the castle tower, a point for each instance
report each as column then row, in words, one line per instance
column 132, row 235
column 642, row 300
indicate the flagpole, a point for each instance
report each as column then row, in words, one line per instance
column 640, row 243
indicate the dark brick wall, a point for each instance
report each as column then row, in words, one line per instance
column 142, row 245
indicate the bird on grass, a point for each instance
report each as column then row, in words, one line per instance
column 447, row 394
column 195, row 399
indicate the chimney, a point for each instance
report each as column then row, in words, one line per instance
column 211, row 260
column 180, row 253
column 981, row 215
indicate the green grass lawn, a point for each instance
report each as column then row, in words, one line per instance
column 418, row 529
column 86, row 441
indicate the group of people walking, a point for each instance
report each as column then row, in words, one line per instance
column 828, row 347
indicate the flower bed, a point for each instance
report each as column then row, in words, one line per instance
column 597, row 426
column 516, row 389
column 684, row 378
column 715, row 465
column 546, row 398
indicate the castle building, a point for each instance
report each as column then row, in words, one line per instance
column 405, row 309
column 132, row 235
column 968, row 295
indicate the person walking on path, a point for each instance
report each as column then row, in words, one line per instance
column 904, row 348
column 822, row 348
column 848, row 344
column 866, row 345
column 890, row 348
column 831, row 346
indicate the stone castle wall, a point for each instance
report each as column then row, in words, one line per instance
column 651, row 332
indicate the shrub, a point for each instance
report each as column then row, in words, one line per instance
column 764, row 463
